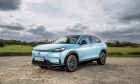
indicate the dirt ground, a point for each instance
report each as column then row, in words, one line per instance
column 19, row 70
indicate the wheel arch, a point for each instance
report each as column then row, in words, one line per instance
column 104, row 50
column 73, row 53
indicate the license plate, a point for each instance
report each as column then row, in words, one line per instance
column 39, row 59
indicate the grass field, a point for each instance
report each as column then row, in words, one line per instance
column 19, row 50
column 124, row 51
column 15, row 50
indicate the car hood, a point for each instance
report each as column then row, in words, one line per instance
column 54, row 46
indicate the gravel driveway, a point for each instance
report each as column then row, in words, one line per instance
column 19, row 70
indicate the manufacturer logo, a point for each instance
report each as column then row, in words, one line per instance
column 39, row 53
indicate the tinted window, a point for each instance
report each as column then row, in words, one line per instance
column 94, row 39
column 86, row 38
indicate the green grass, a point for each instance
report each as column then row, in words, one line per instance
column 125, row 51
column 15, row 50
column 19, row 50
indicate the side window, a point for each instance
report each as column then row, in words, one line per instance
column 86, row 38
column 94, row 40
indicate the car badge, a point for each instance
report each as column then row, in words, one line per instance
column 39, row 53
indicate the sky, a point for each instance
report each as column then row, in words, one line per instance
column 35, row 20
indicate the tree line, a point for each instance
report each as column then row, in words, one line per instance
column 114, row 43
column 4, row 42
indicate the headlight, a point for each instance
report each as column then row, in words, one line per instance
column 58, row 50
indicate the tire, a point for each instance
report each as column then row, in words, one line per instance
column 102, row 59
column 71, row 63
column 43, row 67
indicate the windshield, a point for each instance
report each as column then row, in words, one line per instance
column 67, row 39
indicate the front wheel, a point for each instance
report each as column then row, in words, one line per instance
column 43, row 67
column 71, row 63
column 102, row 59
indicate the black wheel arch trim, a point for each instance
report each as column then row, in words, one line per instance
column 104, row 50
column 71, row 52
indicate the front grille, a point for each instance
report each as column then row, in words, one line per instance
column 45, row 62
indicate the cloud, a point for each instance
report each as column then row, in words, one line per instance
column 41, row 31
column 34, row 34
column 110, row 19
column 133, row 17
column 4, row 32
column 77, row 28
column 16, row 35
column 15, row 27
column 7, row 5
column 125, row 11
column 123, row 22
column 131, row 34
column 9, row 34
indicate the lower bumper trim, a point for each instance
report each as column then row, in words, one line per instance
column 44, row 63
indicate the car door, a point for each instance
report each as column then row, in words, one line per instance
column 95, row 44
column 84, row 49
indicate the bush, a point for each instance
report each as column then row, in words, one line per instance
column 2, row 44
column 134, row 53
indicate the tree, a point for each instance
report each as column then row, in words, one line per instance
column 2, row 44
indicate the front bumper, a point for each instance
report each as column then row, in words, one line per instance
column 50, row 58
column 45, row 63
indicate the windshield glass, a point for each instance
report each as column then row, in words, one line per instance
column 67, row 39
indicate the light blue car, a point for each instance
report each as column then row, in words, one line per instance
column 69, row 51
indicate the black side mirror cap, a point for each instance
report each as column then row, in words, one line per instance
column 83, row 42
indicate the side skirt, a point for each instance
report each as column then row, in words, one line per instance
column 87, row 61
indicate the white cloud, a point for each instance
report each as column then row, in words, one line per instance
column 98, row 15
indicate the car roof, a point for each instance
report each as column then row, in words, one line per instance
column 79, row 35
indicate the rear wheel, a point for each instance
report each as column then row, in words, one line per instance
column 71, row 63
column 102, row 59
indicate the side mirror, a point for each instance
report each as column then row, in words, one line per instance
column 83, row 42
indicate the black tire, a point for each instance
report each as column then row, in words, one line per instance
column 71, row 63
column 102, row 59
column 43, row 67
